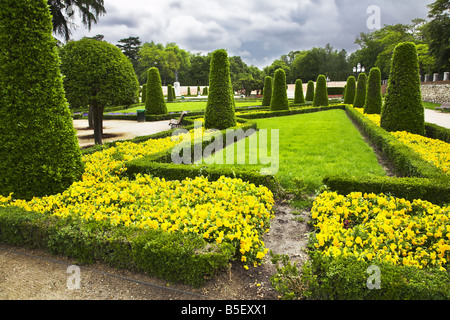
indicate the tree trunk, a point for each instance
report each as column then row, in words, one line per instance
column 91, row 117
column 98, row 123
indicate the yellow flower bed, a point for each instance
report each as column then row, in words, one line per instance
column 382, row 228
column 432, row 150
column 227, row 210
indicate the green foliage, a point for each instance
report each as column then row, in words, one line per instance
column 169, row 93
column 321, row 94
column 267, row 92
column 403, row 109
column 39, row 152
column 144, row 93
column 175, row 256
column 437, row 132
column 310, row 91
column 350, row 90
column 189, row 91
column 361, row 91
column 279, row 99
column 298, row 95
column 205, row 91
column 155, row 103
column 374, row 101
column 220, row 113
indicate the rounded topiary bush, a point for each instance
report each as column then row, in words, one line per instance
column 298, row 94
column 220, row 108
column 374, row 101
column 267, row 92
column 361, row 90
column 403, row 109
column 310, row 91
column 279, row 99
column 155, row 103
column 350, row 90
column 321, row 94
column 39, row 151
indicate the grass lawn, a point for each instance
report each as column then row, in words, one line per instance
column 190, row 106
column 312, row 146
column 431, row 105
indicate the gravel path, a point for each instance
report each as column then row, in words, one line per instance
column 440, row 118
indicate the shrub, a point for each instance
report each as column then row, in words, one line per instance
column 220, row 113
column 267, row 92
column 279, row 99
column 205, row 91
column 169, row 93
column 144, row 92
column 97, row 74
column 174, row 95
column 155, row 103
column 361, row 90
column 374, row 101
column 321, row 94
column 403, row 109
column 39, row 151
column 350, row 91
column 189, row 91
column 298, row 95
column 198, row 90
column 310, row 91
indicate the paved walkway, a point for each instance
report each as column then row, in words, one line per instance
column 440, row 118
column 118, row 130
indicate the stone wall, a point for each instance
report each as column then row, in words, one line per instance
column 436, row 93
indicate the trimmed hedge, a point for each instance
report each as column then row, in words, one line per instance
column 403, row 109
column 335, row 91
column 174, row 256
column 346, row 279
column 154, row 102
column 350, row 90
column 437, row 132
column 267, row 92
column 39, row 151
column 282, row 113
column 279, row 99
column 310, row 91
column 374, row 100
column 220, row 113
column 321, row 94
column 435, row 191
column 144, row 93
column 169, row 93
column 361, row 91
column 298, row 95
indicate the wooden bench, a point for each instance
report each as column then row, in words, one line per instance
column 444, row 106
column 177, row 123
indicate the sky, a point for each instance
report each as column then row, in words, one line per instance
column 259, row 31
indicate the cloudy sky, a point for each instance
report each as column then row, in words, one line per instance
column 259, row 31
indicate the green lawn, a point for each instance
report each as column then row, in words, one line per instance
column 190, row 106
column 312, row 146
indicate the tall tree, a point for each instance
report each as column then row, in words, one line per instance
column 130, row 48
column 63, row 10
column 39, row 151
column 97, row 74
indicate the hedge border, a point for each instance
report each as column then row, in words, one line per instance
column 175, row 257
column 418, row 179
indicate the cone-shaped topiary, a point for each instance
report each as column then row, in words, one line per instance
column 361, row 90
column 403, row 109
column 155, row 103
column 298, row 95
column 169, row 93
column 189, row 91
column 198, row 91
column 220, row 108
column 144, row 92
column 279, row 99
column 205, row 91
column 174, row 95
column 321, row 94
column 39, row 151
column 267, row 92
column 374, row 101
column 310, row 91
column 350, row 91
column 345, row 90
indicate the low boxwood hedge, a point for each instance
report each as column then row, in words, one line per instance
column 174, row 256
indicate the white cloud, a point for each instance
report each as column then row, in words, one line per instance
column 258, row 30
